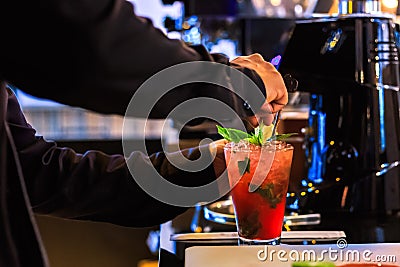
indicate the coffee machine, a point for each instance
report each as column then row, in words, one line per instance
column 349, row 65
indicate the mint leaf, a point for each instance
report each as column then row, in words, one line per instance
column 281, row 137
column 224, row 133
column 232, row 135
column 253, row 139
column 244, row 165
column 268, row 194
column 249, row 225
column 256, row 138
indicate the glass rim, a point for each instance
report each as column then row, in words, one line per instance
column 255, row 148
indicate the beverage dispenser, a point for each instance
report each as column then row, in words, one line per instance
column 349, row 65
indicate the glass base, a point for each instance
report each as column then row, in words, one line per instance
column 253, row 242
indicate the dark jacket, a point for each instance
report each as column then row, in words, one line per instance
column 59, row 182
column 93, row 54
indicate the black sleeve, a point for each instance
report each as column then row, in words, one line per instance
column 94, row 186
column 99, row 187
column 93, row 54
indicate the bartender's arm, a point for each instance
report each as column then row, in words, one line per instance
column 96, row 186
column 96, row 53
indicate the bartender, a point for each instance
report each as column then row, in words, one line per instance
column 93, row 54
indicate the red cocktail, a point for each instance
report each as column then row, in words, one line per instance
column 259, row 177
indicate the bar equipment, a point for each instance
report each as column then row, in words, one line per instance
column 349, row 64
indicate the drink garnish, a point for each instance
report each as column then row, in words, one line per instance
column 261, row 135
column 267, row 192
column 244, row 166
column 250, row 225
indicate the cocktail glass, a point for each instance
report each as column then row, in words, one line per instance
column 259, row 178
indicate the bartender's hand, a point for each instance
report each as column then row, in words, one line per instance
column 217, row 148
column 277, row 95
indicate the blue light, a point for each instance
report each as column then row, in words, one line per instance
column 316, row 169
column 220, row 220
column 192, row 20
column 397, row 38
column 194, row 31
column 321, row 129
column 276, row 60
column 294, row 205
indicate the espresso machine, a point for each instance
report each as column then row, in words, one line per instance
column 349, row 66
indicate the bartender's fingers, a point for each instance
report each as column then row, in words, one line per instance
column 253, row 121
column 265, row 118
column 217, row 146
column 260, row 117
column 217, row 151
column 248, row 61
column 276, row 92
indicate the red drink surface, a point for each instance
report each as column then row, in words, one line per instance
column 259, row 214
